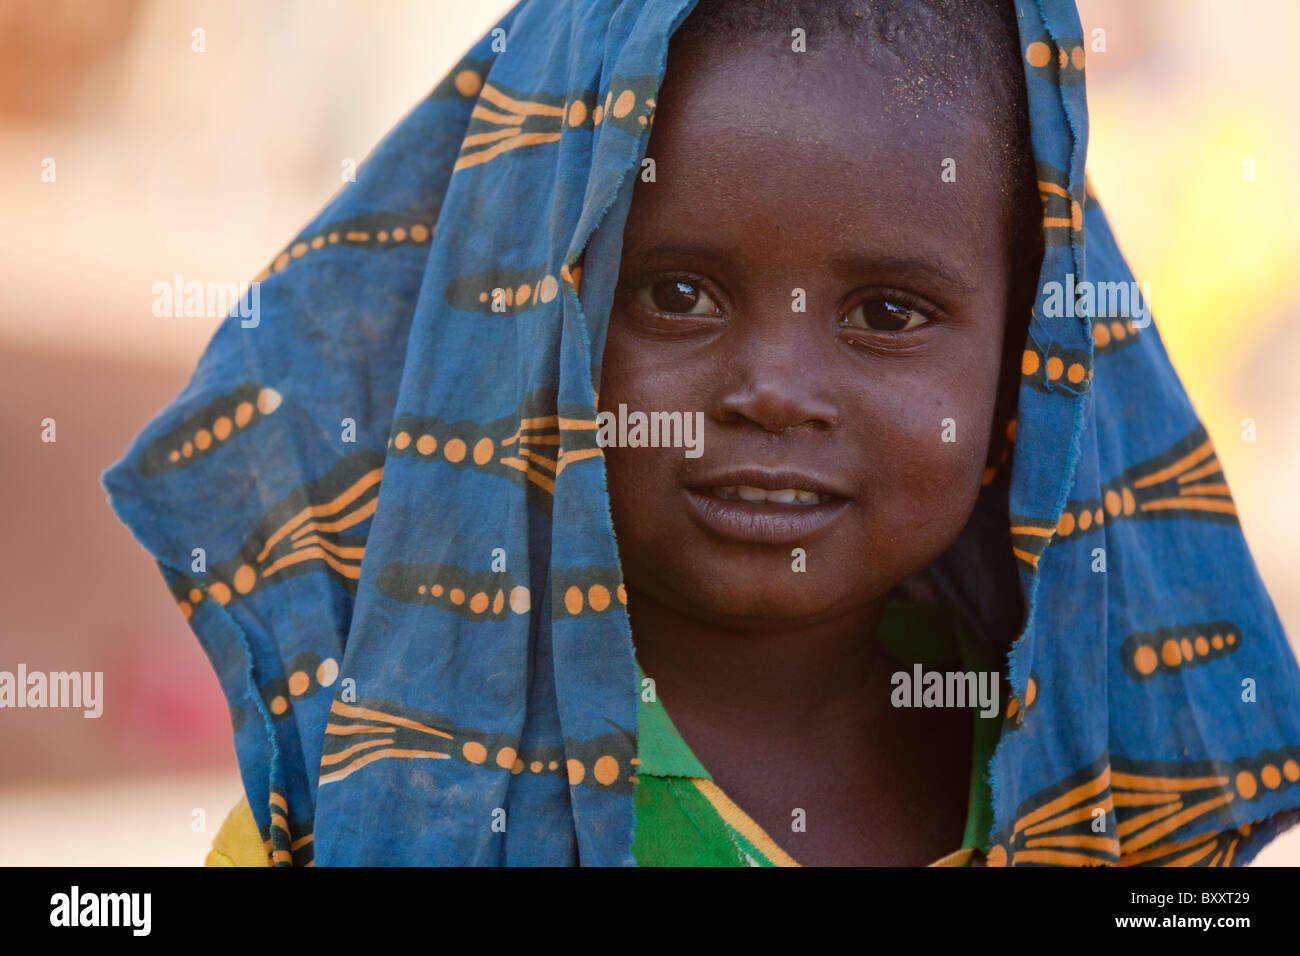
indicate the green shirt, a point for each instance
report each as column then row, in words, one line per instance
column 683, row 818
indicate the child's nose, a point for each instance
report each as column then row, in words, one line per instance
column 775, row 379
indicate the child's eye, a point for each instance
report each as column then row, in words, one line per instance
column 676, row 297
column 884, row 315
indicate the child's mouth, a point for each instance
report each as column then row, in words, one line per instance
column 777, row 509
column 784, row 496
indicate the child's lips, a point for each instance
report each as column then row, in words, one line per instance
column 756, row 483
column 765, row 521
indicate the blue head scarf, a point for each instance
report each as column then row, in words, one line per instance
column 381, row 505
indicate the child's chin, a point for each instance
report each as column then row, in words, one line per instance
column 766, row 604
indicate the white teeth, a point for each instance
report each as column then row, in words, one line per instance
column 785, row 496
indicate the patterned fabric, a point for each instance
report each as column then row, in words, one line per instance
column 683, row 817
column 384, row 513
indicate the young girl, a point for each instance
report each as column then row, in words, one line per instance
column 462, row 619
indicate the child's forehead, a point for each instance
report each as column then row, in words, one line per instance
column 745, row 128
column 950, row 67
column 934, row 50
column 791, row 101
column 824, row 141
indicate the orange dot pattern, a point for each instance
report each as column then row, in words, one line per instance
column 306, row 674
column 380, row 230
column 1168, row 650
column 531, row 447
column 1053, row 368
column 580, row 592
column 1080, row 517
column 476, row 595
column 186, row 592
column 505, row 292
column 1061, row 64
column 464, row 82
column 505, row 119
column 361, row 732
column 1110, row 334
column 1186, row 480
column 1019, row 705
column 1183, row 481
column 208, row 430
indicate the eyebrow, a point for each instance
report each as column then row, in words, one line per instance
column 937, row 271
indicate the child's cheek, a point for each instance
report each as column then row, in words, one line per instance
column 934, row 448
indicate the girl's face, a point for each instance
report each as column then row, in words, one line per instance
column 802, row 273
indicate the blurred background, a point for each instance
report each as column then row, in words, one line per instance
column 202, row 153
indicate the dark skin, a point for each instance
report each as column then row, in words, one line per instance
column 775, row 678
